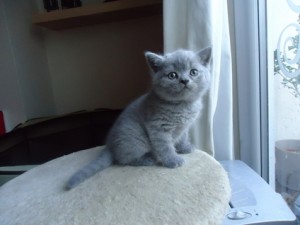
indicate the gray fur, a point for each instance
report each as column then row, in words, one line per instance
column 153, row 129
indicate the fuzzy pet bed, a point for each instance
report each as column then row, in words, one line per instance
column 196, row 193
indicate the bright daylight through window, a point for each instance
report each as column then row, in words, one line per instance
column 284, row 97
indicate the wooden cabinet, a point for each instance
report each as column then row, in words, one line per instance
column 98, row 13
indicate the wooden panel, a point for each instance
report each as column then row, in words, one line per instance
column 98, row 13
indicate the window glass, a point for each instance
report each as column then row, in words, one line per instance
column 284, row 83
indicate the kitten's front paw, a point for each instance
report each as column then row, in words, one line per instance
column 173, row 162
column 184, row 149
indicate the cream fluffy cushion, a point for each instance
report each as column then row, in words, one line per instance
column 196, row 193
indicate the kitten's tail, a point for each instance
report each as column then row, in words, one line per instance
column 104, row 160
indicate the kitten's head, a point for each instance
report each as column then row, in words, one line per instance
column 180, row 76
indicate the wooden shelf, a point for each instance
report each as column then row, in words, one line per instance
column 98, row 13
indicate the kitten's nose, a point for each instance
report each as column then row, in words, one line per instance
column 184, row 81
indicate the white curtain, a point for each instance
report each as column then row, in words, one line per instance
column 195, row 24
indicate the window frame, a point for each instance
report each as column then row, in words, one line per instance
column 251, row 61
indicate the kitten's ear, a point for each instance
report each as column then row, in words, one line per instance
column 155, row 61
column 205, row 55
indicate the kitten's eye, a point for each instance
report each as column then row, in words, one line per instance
column 194, row 72
column 172, row 75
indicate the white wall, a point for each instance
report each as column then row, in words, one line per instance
column 44, row 72
column 10, row 95
column 101, row 66
column 26, row 65
column 31, row 62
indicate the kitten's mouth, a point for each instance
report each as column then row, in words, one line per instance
column 186, row 87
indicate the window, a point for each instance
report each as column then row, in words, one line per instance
column 283, row 29
column 267, row 47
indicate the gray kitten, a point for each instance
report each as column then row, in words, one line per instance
column 154, row 127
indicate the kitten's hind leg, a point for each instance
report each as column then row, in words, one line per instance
column 145, row 160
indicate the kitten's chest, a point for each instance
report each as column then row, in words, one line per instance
column 181, row 118
column 177, row 118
